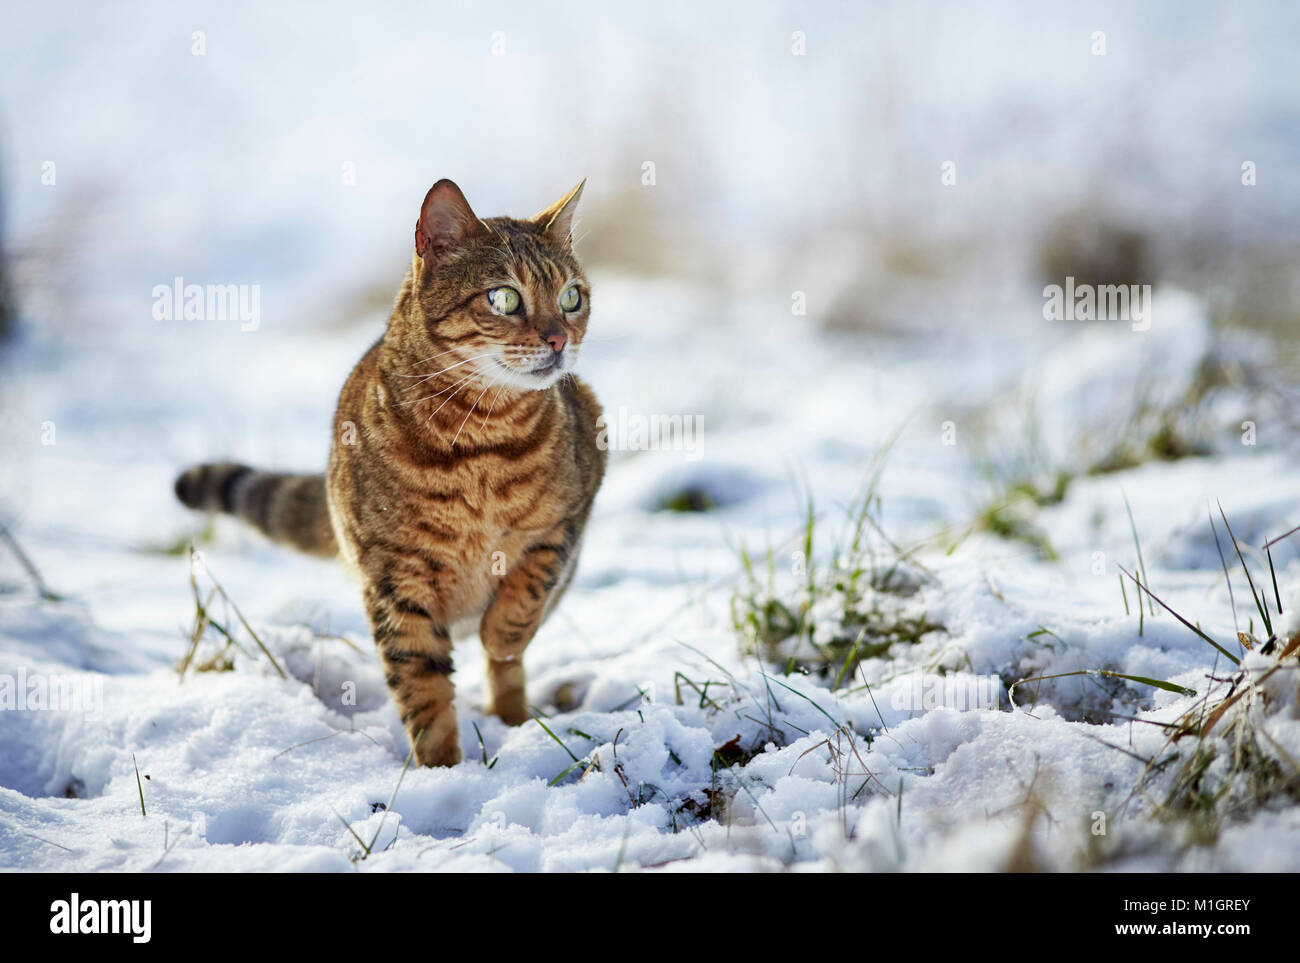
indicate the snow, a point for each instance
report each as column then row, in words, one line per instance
column 243, row 770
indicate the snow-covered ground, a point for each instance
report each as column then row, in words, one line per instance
column 243, row 769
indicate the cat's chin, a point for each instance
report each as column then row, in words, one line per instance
column 535, row 380
column 542, row 381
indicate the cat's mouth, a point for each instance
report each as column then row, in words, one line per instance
column 534, row 374
column 552, row 363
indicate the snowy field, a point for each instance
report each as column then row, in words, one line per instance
column 243, row 769
column 717, row 692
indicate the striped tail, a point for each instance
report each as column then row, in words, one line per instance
column 291, row 509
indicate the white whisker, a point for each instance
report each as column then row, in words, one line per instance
column 446, row 369
column 468, row 377
column 444, row 404
column 470, row 412
column 438, row 355
column 492, row 407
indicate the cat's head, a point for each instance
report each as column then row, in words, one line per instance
column 504, row 299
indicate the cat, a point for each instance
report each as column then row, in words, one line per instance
column 464, row 462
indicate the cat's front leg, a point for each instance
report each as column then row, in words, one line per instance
column 415, row 650
column 511, row 620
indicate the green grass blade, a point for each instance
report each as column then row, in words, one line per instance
column 1273, row 573
column 1230, row 656
column 1145, row 680
column 1142, row 566
column 1226, row 577
column 139, row 786
column 1262, row 607
column 538, row 720
column 836, row 724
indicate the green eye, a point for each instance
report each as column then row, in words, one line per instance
column 504, row 300
column 571, row 299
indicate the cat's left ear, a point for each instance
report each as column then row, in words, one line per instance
column 557, row 220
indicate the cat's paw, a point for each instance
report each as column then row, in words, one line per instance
column 513, row 712
column 446, row 753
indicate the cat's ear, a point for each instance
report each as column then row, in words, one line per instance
column 446, row 221
column 557, row 220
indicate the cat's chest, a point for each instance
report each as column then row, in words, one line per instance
column 499, row 508
column 482, row 532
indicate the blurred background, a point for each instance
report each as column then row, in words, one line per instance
column 798, row 146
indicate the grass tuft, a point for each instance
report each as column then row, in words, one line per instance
column 830, row 610
column 1234, row 766
column 223, row 661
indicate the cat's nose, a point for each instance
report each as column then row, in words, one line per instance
column 556, row 339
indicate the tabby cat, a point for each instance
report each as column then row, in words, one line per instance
column 464, row 460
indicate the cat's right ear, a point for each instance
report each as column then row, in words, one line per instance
column 446, row 221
